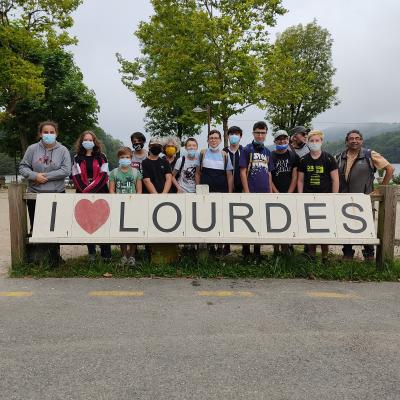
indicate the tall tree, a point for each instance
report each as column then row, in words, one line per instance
column 28, row 31
column 199, row 53
column 298, row 77
column 66, row 99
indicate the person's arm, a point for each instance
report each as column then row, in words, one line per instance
column 243, row 178
column 25, row 168
column 335, row 180
column 293, row 182
column 197, row 176
column 389, row 170
column 64, row 170
column 111, row 187
column 168, row 183
column 229, row 177
column 77, row 177
column 273, row 187
column 149, row 186
column 271, row 184
column 139, row 186
column 300, row 181
column 175, row 182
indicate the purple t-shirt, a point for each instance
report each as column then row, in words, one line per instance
column 261, row 166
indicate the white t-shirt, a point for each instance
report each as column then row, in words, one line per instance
column 186, row 178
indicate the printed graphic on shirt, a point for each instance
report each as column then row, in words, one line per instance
column 315, row 171
column 282, row 166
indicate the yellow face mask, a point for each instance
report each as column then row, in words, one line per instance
column 170, row 151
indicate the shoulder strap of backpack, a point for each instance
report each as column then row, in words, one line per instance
column 225, row 156
column 368, row 156
column 201, row 158
column 250, row 164
column 180, row 168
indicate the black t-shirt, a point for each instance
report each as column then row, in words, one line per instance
column 317, row 173
column 284, row 164
column 156, row 171
column 89, row 166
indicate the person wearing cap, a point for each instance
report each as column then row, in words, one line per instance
column 284, row 176
column 299, row 140
column 318, row 173
column 357, row 167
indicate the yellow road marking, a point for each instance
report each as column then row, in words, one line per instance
column 224, row 293
column 15, row 294
column 332, row 295
column 116, row 293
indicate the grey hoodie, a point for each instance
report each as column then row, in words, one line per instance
column 55, row 163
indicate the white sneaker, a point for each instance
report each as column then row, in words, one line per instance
column 131, row 261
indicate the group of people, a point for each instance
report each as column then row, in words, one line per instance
column 296, row 164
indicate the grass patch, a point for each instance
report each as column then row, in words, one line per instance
column 233, row 266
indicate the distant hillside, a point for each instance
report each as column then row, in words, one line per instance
column 338, row 132
column 388, row 144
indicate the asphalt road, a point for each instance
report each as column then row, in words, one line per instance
column 221, row 339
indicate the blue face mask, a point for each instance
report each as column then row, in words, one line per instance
column 125, row 162
column 49, row 138
column 88, row 144
column 234, row 139
column 191, row 153
column 281, row 146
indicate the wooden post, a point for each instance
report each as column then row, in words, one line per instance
column 386, row 225
column 18, row 222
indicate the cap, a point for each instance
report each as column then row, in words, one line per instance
column 299, row 129
column 281, row 132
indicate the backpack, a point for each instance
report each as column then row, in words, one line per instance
column 203, row 153
column 180, row 168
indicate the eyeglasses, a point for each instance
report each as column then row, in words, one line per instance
column 260, row 132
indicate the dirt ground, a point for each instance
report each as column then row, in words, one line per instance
column 76, row 250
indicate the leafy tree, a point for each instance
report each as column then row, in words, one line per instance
column 66, row 100
column 198, row 53
column 173, row 123
column 28, row 31
column 7, row 164
column 111, row 146
column 298, row 76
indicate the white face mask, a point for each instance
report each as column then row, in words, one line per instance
column 315, row 146
column 214, row 148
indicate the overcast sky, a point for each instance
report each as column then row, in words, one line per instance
column 365, row 53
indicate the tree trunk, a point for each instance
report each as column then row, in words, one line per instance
column 225, row 128
column 23, row 137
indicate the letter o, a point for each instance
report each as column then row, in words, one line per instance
column 178, row 217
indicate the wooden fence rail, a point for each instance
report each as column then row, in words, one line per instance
column 387, row 200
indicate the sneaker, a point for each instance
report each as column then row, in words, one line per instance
column 131, row 261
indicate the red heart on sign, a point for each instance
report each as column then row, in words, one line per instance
column 91, row 216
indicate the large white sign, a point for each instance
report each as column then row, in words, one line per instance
column 204, row 218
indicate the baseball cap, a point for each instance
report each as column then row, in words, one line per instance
column 299, row 129
column 281, row 132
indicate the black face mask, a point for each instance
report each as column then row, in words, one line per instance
column 155, row 150
column 258, row 146
column 138, row 146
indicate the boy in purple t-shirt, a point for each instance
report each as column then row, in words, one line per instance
column 255, row 169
